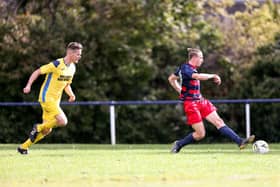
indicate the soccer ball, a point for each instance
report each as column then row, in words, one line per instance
column 260, row 146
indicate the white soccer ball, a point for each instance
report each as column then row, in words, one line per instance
column 260, row 146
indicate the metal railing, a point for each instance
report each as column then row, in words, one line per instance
column 112, row 105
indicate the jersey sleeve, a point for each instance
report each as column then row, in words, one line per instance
column 74, row 70
column 187, row 71
column 47, row 68
column 177, row 72
column 70, row 81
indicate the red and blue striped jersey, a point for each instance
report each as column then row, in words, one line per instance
column 190, row 87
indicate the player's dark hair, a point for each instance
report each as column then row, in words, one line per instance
column 74, row 46
column 193, row 52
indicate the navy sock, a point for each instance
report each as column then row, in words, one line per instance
column 228, row 132
column 187, row 140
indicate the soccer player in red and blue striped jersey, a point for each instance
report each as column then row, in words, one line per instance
column 196, row 107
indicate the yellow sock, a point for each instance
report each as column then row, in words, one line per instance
column 48, row 124
column 26, row 144
column 39, row 137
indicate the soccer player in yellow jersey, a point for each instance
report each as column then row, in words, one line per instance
column 59, row 75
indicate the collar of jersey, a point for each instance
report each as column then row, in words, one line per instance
column 67, row 65
column 194, row 67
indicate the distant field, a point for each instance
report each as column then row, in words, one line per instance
column 61, row 165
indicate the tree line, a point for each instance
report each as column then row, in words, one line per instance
column 130, row 48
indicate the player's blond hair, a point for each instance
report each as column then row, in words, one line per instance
column 193, row 52
column 74, row 46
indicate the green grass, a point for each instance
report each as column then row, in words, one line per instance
column 138, row 165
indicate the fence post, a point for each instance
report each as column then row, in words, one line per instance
column 112, row 124
column 248, row 126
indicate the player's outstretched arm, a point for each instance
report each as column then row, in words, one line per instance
column 70, row 93
column 217, row 79
column 173, row 80
column 32, row 78
column 206, row 76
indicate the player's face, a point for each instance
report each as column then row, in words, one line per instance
column 75, row 55
column 199, row 59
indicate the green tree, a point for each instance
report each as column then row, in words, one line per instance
column 263, row 82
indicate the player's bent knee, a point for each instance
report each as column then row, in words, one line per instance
column 62, row 122
column 199, row 135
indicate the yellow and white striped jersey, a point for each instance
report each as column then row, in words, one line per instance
column 58, row 75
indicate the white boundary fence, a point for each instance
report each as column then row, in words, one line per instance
column 112, row 105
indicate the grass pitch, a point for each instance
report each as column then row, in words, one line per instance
column 138, row 165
